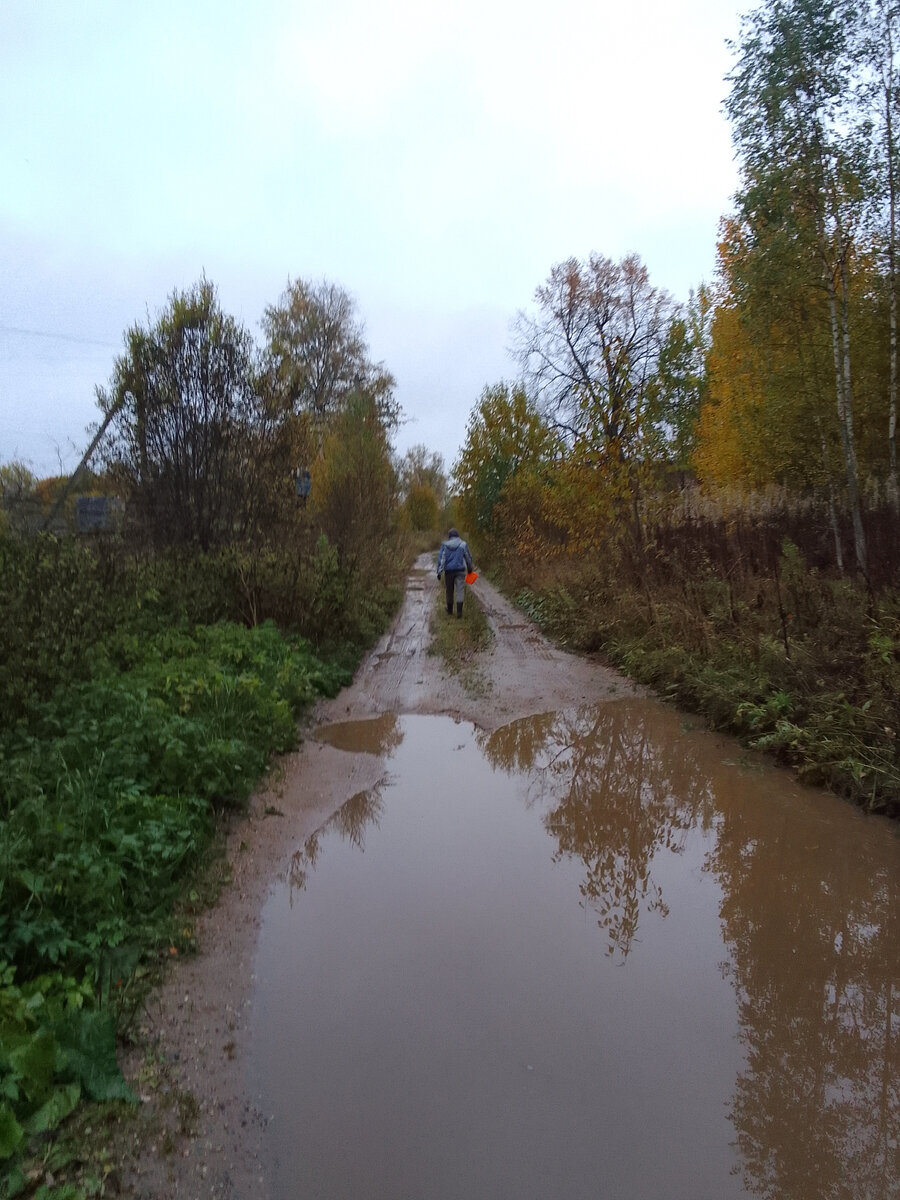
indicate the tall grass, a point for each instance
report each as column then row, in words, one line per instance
column 727, row 621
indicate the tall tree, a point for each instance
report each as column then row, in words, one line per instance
column 505, row 434
column 421, row 467
column 590, row 352
column 186, row 421
column 882, row 38
column 354, row 486
column 318, row 356
column 679, row 387
column 770, row 380
column 423, row 486
column 804, row 157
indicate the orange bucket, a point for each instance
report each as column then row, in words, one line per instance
column 471, row 577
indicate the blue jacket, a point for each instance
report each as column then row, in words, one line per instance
column 454, row 556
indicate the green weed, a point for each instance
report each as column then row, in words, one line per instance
column 108, row 798
column 801, row 665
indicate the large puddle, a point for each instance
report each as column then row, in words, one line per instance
column 583, row 957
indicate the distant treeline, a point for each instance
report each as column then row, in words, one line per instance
column 151, row 667
column 708, row 492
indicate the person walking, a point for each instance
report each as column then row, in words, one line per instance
column 453, row 561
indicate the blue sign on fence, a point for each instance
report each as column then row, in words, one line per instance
column 92, row 513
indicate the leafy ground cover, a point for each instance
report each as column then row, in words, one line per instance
column 794, row 662
column 107, row 797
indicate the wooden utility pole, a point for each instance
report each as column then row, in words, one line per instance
column 70, row 482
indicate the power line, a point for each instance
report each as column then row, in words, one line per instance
column 59, row 337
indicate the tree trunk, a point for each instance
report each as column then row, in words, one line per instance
column 838, row 307
column 832, row 506
column 888, row 88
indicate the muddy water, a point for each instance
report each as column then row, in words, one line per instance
column 592, row 954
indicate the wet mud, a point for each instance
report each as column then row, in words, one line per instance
column 542, row 937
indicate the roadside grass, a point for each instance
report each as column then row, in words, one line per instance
column 142, row 696
column 112, row 800
column 791, row 661
column 88, row 1154
column 459, row 642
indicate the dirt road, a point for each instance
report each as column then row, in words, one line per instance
column 198, row 1021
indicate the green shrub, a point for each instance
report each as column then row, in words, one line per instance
column 54, row 1048
column 137, row 695
column 795, row 663
column 54, row 609
column 106, row 803
column 107, row 796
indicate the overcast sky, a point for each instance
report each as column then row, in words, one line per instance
column 434, row 160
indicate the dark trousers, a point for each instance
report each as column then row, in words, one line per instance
column 450, row 584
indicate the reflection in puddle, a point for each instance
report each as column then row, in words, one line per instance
column 436, row 1018
column 349, row 823
column 378, row 735
column 617, row 786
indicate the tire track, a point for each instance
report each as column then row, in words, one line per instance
column 523, row 673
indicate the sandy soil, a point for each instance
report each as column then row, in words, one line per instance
column 199, row 1133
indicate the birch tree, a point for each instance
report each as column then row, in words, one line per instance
column 882, row 35
column 804, row 148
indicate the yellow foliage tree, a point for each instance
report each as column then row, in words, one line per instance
column 354, row 486
column 505, row 434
